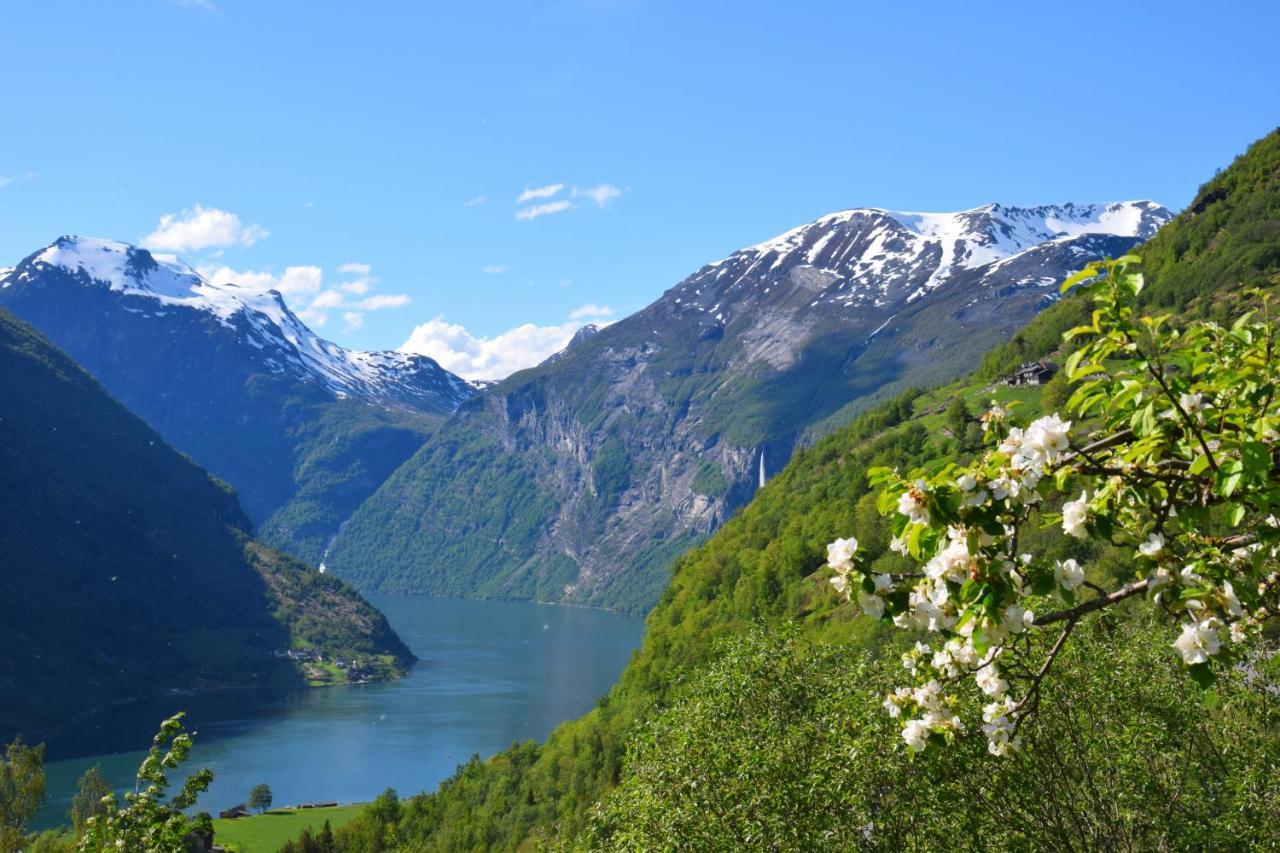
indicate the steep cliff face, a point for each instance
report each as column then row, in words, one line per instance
column 581, row 479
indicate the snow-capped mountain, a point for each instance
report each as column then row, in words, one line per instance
column 873, row 257
column 301, row 427
column 156, row 286
column 607, row 459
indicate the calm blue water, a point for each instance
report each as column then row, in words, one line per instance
column 490, row 673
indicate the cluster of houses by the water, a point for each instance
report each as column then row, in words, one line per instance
column 312, row 663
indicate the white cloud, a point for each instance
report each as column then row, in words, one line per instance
column 477, row 357
column 304, row 289
column 530, row 194
column 377, row 303
column 591, row 310
column 202, row 228
column 544, row 209
column 5, row 180
column 294, row 281
column 472, row 202
column 600, row 194
column 327, row 300
column 493, row 269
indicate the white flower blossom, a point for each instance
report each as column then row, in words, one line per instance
column 1068, row 574
column 1199, row 641
column 1003, row 488
column 912, row 504
column 967, row 482
column 1192, row 404
column 1012, row 443
column 1230, row 601
column 926, row 695
column 951, row 563
column 883, row 583
column 1153, row 546
column 916, row 734
column 872, row 605
column 1074, row 514
column 1045, row 439
column 841, row 583
column 1017, row 619
column 840, row 554
column 990, row 682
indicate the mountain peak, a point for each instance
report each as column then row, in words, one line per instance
column 157, row 285
column 874, row 256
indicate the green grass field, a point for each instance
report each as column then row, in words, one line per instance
column 265, row 833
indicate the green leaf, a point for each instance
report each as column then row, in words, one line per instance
column 1075, row 278
column 1201, row 674
column 1236, row 515
column 1256, row 458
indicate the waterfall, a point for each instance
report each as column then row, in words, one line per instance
column 762, row 476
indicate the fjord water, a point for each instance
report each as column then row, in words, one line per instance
column 489, row 673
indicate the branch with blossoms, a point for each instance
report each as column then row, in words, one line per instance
column 1171, row 453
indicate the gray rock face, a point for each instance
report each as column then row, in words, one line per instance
column 582, row 479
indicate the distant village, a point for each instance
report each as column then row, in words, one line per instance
column 357, row 671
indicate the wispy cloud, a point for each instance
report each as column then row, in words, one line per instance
column 534, row 211
column 493, row 269
column 591, row 310
column 530, row 194
column 600, row 195
column 358, row 269
column 201, row 227
column 203, row 5
column 472, row 202
column 479, row 357
column 377, row 303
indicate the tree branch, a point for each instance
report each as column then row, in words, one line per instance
column 1093, row 604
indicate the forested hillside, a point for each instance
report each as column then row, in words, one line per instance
column 760, row 572
column 126, row 570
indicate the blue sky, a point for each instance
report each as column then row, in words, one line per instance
column 395, row 139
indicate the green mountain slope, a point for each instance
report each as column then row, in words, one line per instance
column 126, row 570
column 759, row 569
